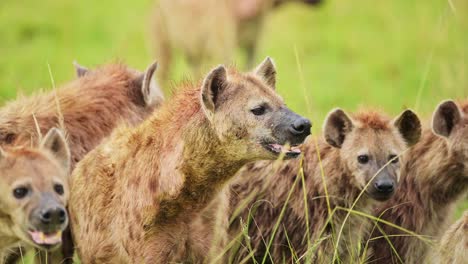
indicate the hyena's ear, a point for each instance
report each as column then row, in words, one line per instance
column 212, row 86
column 337, row 125
column 56, row 144
column 267, row 72
column 152, row 93
column 445, row 117
column 409, row 126
column 80, row 70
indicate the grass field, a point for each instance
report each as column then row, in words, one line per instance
column 382, row 54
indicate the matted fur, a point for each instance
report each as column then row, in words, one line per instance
column 90, row 107
column 143, row 195
column 432, row 180
column 260, row 191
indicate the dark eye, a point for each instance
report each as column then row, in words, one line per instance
column 20, row 192
column 58, row 188
column 393, row 158
column 9, row 138
column 259, row 110
column 363, row 159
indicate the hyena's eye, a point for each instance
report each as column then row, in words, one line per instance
column 258, row 110
column 58, row 188
column 393, row 158
column 9, row 138
column 363, row 159
column 20, row 192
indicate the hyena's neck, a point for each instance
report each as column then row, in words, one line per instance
column 192, row 154
column 436, row 170
column 207, row 163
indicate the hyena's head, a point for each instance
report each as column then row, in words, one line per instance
column 142, row 86
column 34, row 191
column 370, row 145
column 248, row 115
column 135, row 93
column 450, row 121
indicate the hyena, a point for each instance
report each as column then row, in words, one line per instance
column 88, row 109
column 135, row 197
column 217, row 27
column 33, row 194
column 453, row 247
column 358, row 155
column 434, row 177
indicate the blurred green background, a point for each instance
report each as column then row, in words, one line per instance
column 382, row 54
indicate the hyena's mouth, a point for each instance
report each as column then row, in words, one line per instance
column 290, row 151
column 46, row 239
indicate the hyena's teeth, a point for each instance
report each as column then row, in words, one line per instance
column 48, row 239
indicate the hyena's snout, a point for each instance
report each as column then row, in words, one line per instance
column 383, row 186
column 300, row 129
column 50, row 218
column 47, row 222
column 291, row 128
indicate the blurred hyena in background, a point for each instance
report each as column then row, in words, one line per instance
column 208, row 31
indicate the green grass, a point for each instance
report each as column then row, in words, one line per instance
column 381, row 54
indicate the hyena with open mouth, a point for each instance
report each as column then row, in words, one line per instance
column 33, row 194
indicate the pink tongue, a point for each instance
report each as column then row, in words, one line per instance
column 46, row 239
column 281, row 148
column 295, row 150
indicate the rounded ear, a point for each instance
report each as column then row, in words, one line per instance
column 80, row 70
column 56, row 144
column 409, row 126
column 152, row 93
column 212, row 86
column 336, row 126
column 267, row 72
column 445, row 117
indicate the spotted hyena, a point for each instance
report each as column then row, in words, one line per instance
column 433, row 179
column 33, row 194
column 358, row 154
column 217, row 27
column 87, row 109
column 136, row 197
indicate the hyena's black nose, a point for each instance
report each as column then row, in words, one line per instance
column 301, row 126
column 385, row 187
column 53, row 216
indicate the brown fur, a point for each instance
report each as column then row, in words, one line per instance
column 140, row 196
column 89, row 108
column 434, row 177
column 208, row 31
column 453, row 247
column 261, row 190
column 38, row 169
